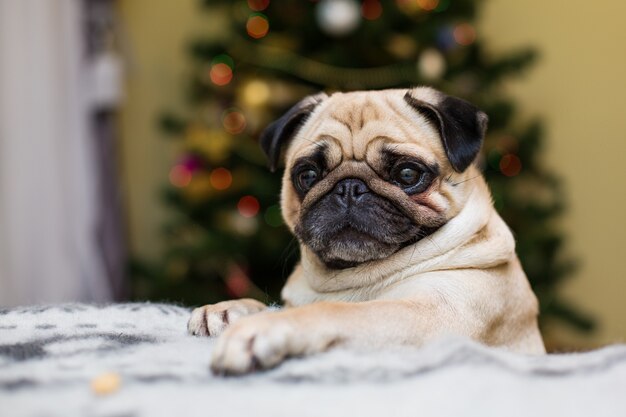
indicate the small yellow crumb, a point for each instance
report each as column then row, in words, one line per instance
column 106, row 383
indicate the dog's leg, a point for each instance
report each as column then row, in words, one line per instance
column 213, row 319
column 265, row 340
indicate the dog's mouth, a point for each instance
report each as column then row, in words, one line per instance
column 350, row 247
column 340, row 264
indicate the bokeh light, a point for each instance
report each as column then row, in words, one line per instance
column 234, row 121
column 432, row 64
column 221, row 178
column 371, row 9
column 180, row 175
column 464, row 34
column 510, row 165
column 221, row 74
column 200, row 186
column 428, row 4
column 248, row 206
column 257, row 26
column 223, row 59
column 493, row 158
column 191, row 162
column 258, row 5
column 256, row 93
column 237, row 282
column 402, row 46
column 273, row 216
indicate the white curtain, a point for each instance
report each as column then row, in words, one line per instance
column 48, row 184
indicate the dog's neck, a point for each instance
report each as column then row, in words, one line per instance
column 465, row 241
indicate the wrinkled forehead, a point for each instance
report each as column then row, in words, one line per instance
column 356, row 126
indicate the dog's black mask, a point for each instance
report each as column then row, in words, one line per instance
column 351, row 225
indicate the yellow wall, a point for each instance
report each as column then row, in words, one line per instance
column 157, row 34
column 578, row 87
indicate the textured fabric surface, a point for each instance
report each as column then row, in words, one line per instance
column 50, row 355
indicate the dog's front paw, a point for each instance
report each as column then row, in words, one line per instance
column 213, row 319
column 263, row 341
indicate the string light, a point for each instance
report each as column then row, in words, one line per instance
column 371, row 9
column 258, row 5
column 248, row 206
column 221, row 178
column 256, row 93
column 464, row 34
column 234, row 121
column 221, row 74
column 338, row 17
column 257, row 26
column 431, row 64
column 510, row 165
column 180, row 175
column 284, row 60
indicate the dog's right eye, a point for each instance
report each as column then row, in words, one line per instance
column 306, row 178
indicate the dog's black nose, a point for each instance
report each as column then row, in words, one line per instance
column 350, row 190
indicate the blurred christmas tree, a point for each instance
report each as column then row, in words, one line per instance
column 228, row 240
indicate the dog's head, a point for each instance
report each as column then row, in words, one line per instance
column 368, row 173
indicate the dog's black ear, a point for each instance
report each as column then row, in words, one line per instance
column 461, row 125
column 279, row 132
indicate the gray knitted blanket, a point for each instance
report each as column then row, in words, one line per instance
column 129, row 360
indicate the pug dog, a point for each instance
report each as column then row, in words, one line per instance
column 399, row 240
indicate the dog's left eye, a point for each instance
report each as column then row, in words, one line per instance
column 411, row 177
column 306, row 178
column 407, row 175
